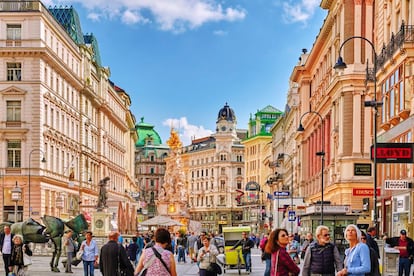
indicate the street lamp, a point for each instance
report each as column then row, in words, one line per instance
column 272, row 178
column 80, row 186
column 30, row 161
column 16, row 195
column 320, row 153
column 280, row 157
column 340, row 65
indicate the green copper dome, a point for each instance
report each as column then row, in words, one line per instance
column 147, row 135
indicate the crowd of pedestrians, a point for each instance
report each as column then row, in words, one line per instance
column 321, row 256
column 157, row 253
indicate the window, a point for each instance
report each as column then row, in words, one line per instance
column 14, row 71
column 14, row 35
column 239, row 185
column 394, row 95
column 222, row 185
column 222, row 200
column 13, row 111
column 14, row 153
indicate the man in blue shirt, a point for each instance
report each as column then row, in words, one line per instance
column 140, row 243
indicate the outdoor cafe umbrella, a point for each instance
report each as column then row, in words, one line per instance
column 160, row 221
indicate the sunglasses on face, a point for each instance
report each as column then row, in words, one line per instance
column 327, row 235
column 363, row 238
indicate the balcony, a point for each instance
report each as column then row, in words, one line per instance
column 397, row 41
column 19, row 5
column 13, row 43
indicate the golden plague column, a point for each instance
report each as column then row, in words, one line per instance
column 173, row 199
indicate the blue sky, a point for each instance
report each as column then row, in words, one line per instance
column 182, row 60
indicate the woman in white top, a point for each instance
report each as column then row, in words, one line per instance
column 206, row 255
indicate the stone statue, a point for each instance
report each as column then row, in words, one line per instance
column 102, row 194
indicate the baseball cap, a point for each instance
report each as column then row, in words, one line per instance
column 403, row 232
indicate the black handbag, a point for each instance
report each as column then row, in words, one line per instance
column 214, row 267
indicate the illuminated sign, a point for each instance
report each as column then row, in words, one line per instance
column 393, row 153
column 365, row 192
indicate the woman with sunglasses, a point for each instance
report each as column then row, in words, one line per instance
column 281, row 263
column 322, row 257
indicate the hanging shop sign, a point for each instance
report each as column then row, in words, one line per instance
column 393, row 153
column 397, row 184
column 365, row 192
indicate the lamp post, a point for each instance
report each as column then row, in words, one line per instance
column 16, row 195
column 320, row 153
column 272, row 178
column 30, row 160
column 280, row 157
column 341, row 65
column 80, row 186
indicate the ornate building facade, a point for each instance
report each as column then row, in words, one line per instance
column 337, row 112
column 258, row 167
column 62, row 109
column 150, row 168
column 214, row 167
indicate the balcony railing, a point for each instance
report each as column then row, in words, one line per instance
column 19, row 5
column 405, row 35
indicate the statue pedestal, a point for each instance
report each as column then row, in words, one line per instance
column 101, row 224
column 175, row 210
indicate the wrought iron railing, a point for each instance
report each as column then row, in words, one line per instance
column 397, row 41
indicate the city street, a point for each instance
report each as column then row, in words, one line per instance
column 41, row 267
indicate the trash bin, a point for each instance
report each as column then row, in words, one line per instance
column 390, row 261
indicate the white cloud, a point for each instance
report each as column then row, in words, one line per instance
column 174, row 16
column 94, row 16
column 220, row 33
column 299, row 11
column 187, row 131
column 132, row 17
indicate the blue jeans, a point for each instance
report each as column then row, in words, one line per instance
column 88, row 267
column 404, row 265
column 139, row 252
column 268, row 266
column 181, row 253
column 248, row 261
